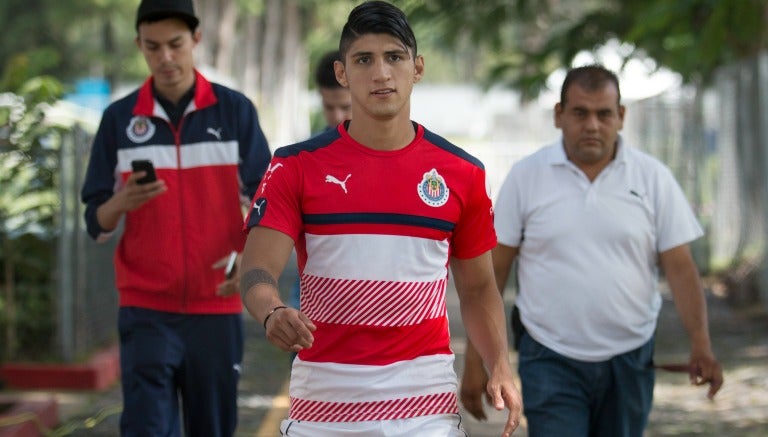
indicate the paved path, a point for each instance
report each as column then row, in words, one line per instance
column 740, row 339
column 741, row 408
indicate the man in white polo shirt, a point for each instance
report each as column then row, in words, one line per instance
column 589, row 220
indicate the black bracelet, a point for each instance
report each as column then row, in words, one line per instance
column 281, row 307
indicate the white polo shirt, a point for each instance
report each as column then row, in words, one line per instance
column 588, row 263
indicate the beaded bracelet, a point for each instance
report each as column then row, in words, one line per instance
column 281, row 307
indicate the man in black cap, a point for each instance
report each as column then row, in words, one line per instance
column 180, row 316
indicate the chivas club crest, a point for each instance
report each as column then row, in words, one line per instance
column 432, row 189
column 140, row 129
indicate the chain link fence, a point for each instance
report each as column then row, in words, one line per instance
column 716, row 143
column 85, row 285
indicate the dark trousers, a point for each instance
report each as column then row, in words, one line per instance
column 171, row 362
column 566, row 397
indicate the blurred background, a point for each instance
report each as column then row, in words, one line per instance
column 694, row 77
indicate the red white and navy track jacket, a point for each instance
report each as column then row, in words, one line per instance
column 217, row 154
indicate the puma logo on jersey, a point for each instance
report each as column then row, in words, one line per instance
column 215, row 132
column 258, row 204
column 268, row 174
column 334, row 180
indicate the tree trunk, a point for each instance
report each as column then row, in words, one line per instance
column 108, row 38
column 270, row 46
column 696, row 161
column 10, row 300
column 251, row 55
column 283, row 73
column 761, row 119
column 208, row 11
column 264, row 56
column 226, row 38
column 750, row 157
column 293, row 122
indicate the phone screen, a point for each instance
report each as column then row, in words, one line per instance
column 146, row 166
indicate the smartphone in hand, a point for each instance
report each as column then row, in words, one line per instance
column 146, row 166
column 229, row 271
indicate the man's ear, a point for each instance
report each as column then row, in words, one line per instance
column 419, row 70
column 622, row 113
column 557, row 112
column 341, row 74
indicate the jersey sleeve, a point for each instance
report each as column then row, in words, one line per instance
column 253, row 149
column 276, row 204
column 474, row 233
column 100, row 181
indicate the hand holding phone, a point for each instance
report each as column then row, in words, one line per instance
column 229, row 264
column 144, row 165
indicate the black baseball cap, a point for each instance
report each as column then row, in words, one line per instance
column 154, row 10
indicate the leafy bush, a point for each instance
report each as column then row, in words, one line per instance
column 29, row 200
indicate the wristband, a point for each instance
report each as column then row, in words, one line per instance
column 281, row 307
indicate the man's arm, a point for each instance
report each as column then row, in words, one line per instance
column 254, row 151
column 474, row 379
column 685, row 285
column 265, row 255
column 105, row 206
column 482, row 311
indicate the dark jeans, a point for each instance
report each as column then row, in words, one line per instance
column 171, row 361
column 566, row 397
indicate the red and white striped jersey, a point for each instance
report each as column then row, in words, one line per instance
column 374, row 231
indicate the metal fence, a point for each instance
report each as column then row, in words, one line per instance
column 716, row 142
column 86, row 295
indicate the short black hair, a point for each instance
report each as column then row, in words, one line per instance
column 376, row 17
column 590, row 77
column 325, row 74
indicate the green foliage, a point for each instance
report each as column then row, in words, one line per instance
column 253, row 7
column 695, row 37
column 67, row 38
column 29, row 201
column 28, row 158
column 515, row 43
column 527, row 40
column 22, row 66
column 32, row 320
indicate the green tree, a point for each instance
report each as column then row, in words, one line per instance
column 29, row 199
column 67, row 40
column 531, row 39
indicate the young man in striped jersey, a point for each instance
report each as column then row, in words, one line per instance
column 378, row 210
